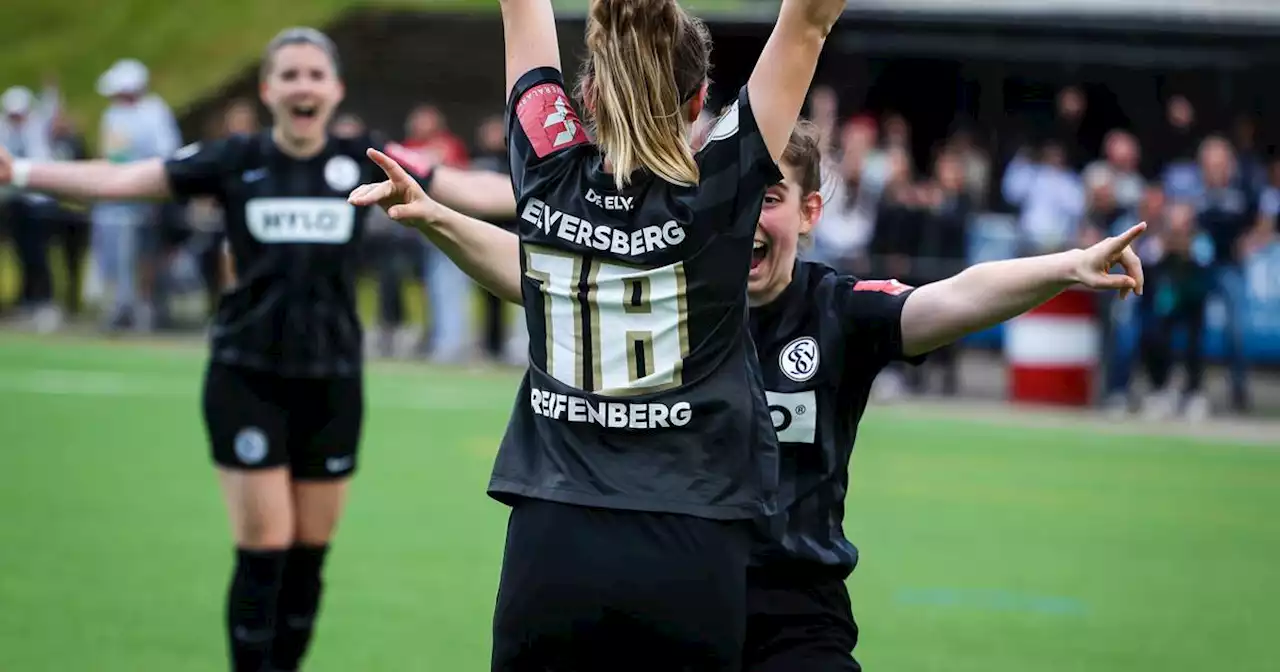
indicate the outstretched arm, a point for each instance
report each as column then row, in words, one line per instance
column 987, row 294
column 478, row 192
column 782, row 75
column 485, row 252
column 529, row 30
column 88, row 180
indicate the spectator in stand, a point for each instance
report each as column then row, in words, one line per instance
column 347, row 125
column 1103, row 209
column 842, row 236
column 1177, row 286
column 69, row 220
column 975, row 165
column 25, row 131
column 1121, row 159
column 895, row 235
column 1177, row 143
column 824, row 110
column 1268, row 208
column 942, row 247
column 1253, row 170
column 204, row 215
column 1227, row 212
column 1119, row 319
column 126, row 236
column 491, row 141
column 1049, row 197
column 1071, row 105
column 449, row 290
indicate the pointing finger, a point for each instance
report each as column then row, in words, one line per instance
column 391, row 167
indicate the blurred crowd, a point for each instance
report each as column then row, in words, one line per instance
column 1209, row 197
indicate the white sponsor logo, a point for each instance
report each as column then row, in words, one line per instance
column 795, row 415
column 610, row 202
column 799, row 360
column 251, row 445
column 610, row 414
column 562, row 115
column 337, row 465
column 300, row 220
column 604, row 238
column 342, row 173
column 727, row 126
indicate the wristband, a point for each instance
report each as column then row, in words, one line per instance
column 21, row 170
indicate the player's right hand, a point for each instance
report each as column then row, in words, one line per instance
column 399, row 195
column 6, row 166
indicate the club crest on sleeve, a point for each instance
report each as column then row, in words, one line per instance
column 342, row 173
column 799, row 360
column 408, row 159
column 726, row 126
column 251, row 445
column 890, row 287
column 548, row 119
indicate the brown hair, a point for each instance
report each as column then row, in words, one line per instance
column 646, row 59
column 290, row 36
column 804, row 154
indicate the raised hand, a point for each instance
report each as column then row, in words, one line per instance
column 1096, row 262
column 399, row 195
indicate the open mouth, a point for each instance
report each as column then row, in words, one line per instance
column 304, row 111
column 759, row 251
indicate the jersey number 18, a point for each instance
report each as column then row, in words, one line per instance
column 611, row 329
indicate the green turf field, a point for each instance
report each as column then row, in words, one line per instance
column 985, row 548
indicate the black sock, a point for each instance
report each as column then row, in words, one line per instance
column 251, row 607
column 299, row 602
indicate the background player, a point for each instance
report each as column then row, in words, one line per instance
column 634, row 460
column 283, row 399
column 822, row 337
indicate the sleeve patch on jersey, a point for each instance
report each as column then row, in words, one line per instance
column 727, row 126
column 408, row 159
column 548, row 119
column 890, row 287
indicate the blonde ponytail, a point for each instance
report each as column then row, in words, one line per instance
column 647, row 58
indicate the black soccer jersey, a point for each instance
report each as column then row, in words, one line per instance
column 643, row 391
column 295, row 241
column 821, row 344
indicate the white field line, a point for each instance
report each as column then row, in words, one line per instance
column 417, row 397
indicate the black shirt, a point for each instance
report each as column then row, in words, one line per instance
column 1226, row 215
column 643, row 390
column 295, row 242
column 821, row 344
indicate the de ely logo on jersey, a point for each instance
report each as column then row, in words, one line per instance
column 799, row 360
column 548, row 119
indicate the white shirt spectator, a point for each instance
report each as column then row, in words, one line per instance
column 1051, row 202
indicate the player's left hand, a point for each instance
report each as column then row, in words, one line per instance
column 1094, row 264
column 399, row 195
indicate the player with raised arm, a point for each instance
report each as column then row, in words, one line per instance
column 640, row 447
column 283, row 396
column 822, row 337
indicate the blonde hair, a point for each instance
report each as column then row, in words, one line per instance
column 646, row 59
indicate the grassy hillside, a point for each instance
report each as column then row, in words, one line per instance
column 190, row 46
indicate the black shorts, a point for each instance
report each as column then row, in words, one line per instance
column 595, row 590
column 799, row 624
column 259, row 420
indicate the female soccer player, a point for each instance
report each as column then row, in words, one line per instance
column 822, row 336
column 640, row 447
column 283, row 399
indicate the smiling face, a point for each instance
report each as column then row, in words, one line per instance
column 789, row 213
column 300, row 86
